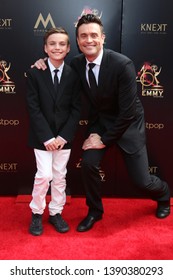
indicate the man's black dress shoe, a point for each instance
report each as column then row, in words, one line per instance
column 88, row 222
column 163, row 209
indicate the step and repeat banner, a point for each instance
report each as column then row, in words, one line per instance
column 147, row 31
column 141, row 30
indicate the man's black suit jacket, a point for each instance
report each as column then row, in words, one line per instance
column 50, row 114
column 116, row 112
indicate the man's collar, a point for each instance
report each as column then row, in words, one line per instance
column 98, row 60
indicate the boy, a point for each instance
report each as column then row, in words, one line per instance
column 53, row 99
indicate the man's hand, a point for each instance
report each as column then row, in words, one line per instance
column 93, row 142
column 40, row 64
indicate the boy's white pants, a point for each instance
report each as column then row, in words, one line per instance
column 51, row 167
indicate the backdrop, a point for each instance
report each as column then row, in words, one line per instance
column 140, row 29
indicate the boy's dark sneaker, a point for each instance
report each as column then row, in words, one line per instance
column 36, row 227
column 58, row 222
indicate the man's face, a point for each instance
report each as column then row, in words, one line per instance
column 90, row 40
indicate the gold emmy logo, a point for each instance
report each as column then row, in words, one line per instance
column 6, row 85
column 86, row 11
column 148, row 77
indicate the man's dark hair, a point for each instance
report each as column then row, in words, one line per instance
column 89, row 18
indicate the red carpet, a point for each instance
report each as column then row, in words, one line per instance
column 128, row 231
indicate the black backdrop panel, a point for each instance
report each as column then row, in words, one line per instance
column 22, row 27
column 147, row 39
column 126, row 24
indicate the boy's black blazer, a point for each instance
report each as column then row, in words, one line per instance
column 50, row 114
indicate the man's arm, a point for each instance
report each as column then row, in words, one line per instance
column 40, row 64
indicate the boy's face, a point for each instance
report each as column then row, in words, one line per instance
column 57, row 48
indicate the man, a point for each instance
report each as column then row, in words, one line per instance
column 116, row 117
column 53, row 99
